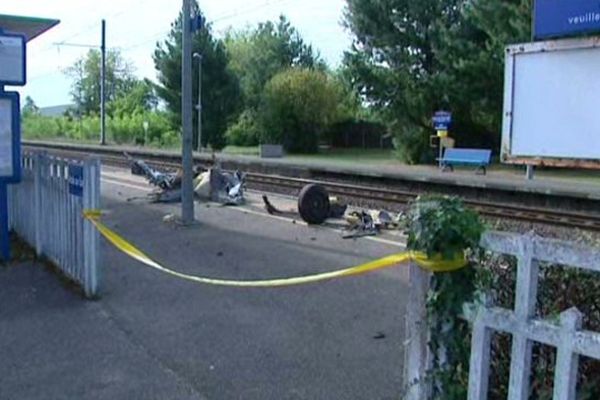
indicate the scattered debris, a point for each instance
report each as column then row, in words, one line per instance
column 227, row 188
column 314, row 206
column 169, row 218
column 215, row 185
column 271, row 209
column 222, row 187
column 369, row 223
column 360, row 224
column 157, row 178
column 379, row 335
column 336, row 208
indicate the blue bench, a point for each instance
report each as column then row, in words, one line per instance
column 479, row 158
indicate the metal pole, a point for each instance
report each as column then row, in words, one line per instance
column 187, row 189
column 103, row 86
column 4, row 231
column 529, row 172
column 199, row 105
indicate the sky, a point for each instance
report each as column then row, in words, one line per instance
column 134, row 26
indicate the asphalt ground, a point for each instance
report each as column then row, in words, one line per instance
column 153, row 336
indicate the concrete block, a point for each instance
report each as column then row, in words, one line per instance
column 271, row 151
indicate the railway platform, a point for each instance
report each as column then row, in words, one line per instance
column 153, row 336
column 506, row 180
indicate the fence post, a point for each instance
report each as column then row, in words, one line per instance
column 91, row 240
column 525, row 301
column 567, row 361
column 416, row 356
column 479, row 364
column 39, row 160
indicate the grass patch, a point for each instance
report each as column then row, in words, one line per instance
column 371, row 156
column 364, row 156
column 241, row 150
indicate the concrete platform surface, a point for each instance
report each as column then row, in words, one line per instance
column 152, row 336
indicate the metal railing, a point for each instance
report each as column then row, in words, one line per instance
column 525, row 328
column 46, row 210
column 566, row 335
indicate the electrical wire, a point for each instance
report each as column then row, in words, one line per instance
column 223, row 17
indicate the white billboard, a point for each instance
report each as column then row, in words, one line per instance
column 552, row 103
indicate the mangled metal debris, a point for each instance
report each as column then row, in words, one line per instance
column 315, row 206
column 211, row 185
column 360, row 223
column 369, row 223
column 163, row 180
column 221, row 186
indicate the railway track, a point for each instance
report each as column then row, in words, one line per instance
column 580, row 220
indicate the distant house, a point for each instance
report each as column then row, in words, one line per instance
column 55, row 111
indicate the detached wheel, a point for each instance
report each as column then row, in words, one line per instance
column 136, row 169
column 313, row 204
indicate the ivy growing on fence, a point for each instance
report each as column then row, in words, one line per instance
column 444, row 225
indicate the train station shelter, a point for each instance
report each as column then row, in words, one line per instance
column 30, row 27
column 15, row 32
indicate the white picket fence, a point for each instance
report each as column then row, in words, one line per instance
column 566, row 334
column 46, row 210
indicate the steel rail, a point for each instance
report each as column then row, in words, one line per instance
column 350, row 191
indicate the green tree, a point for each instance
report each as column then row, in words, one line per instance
column 256, row 55
column 86, row 72
column 139, row 99
column 411, row 58
column 30, row 108
column 298, row 106
column 220, row 91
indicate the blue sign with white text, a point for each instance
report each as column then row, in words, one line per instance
column 76, row 180
column 554, row 18
column 442, row 120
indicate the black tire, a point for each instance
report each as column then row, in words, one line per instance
column 136, row 169
column 313, row 204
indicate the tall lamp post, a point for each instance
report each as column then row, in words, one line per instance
column 198, row 56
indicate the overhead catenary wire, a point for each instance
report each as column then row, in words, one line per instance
column 65, row 41
column 223, row 17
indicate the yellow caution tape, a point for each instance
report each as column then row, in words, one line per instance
column 435, row 264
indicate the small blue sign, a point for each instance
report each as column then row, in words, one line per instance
column 76, row 180
column 442, row 120
column 554, row 18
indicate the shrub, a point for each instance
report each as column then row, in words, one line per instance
column 36, row 126
column 246, row 131
column 298, row 105
column 412, row 144
column 126, row 129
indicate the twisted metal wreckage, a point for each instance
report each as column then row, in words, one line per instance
column 315, row 205
column 213, row 184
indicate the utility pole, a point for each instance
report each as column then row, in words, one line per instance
column 199, row 105
column 103, row 86
column 187, row 189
